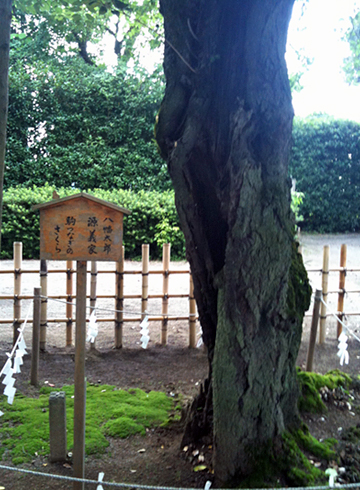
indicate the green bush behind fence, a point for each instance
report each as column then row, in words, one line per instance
column 325, row 162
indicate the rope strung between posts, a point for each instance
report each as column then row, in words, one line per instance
column 18, row 340
column 152, row 487
column 92, row 308
column 346, row 327
column 13, row 362
column 109, row 484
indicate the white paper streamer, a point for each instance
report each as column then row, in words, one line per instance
column 200, row 340
column 100, row 479
column 332, row 474
column 13, row 363
column 92, row 329
column 7, row 366
column 21, row 345
column 8, row 377
column 17, row 364
column 342, row 349
column 145, row 337
column 10, row 393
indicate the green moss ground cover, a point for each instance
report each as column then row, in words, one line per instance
column 24, row 427
column 310, row 384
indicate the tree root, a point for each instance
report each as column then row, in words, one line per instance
column 198, row 416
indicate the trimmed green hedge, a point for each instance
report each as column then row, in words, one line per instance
column 325, row 162
column 153, row 220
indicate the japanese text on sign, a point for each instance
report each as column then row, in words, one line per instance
column 96, row 235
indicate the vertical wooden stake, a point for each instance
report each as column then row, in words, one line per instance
column 93, row 295
column 192, row 315
column 57, row 426
column 325, row 282
column 44, row 302
column 165, row 301
column 69, row 306
column 34, row 375
column 342, row 276
column 79, row 384
column 17, row 247
column 314, row 324
column 119, row 301
column 145, row 279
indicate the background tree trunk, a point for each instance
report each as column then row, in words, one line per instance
column 225, row 127
column 5, row 23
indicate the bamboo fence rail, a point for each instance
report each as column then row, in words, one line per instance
column 341, row 291
column 119, row 297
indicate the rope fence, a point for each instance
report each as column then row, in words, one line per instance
column 342, row 292
column 342, row 338
column 121, row 315
column 142, row 314
column 101, row 484
column 152, row 487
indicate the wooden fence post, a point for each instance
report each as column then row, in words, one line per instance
column 119, row 301
column 314, row 324
column 145, row 280
column 325, row 283
column 69, row 300
column 44, row 302
column 165, row 301
column 342, row 276
column 17, row 248
column 192, row 315
column 79, row 379
column 34, row 375
column 93, row 279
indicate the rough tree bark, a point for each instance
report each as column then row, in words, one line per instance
column 5, row 22
column 224, row 127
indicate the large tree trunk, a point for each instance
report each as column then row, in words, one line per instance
column 225, row 129
column 5, row 22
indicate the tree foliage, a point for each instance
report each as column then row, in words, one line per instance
column 131, row 23
column 73, row 123
column 325, row 162
column 5, row 19
column 295, row 77
column 352, row 62
column 296, row 56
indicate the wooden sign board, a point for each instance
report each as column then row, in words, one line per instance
column 81, row 227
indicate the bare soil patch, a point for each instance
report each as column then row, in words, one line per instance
column 177, row 370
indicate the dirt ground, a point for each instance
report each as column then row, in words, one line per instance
column 175, row 369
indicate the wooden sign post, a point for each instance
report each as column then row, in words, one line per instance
column 80, row 227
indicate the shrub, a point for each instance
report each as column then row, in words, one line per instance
column 325, row 162
column 78, row 125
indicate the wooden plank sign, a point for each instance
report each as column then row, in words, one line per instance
column 81, row 227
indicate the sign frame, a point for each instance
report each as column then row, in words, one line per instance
column 81, row 227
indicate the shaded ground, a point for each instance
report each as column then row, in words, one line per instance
column 169, row 369
column 177, row 369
